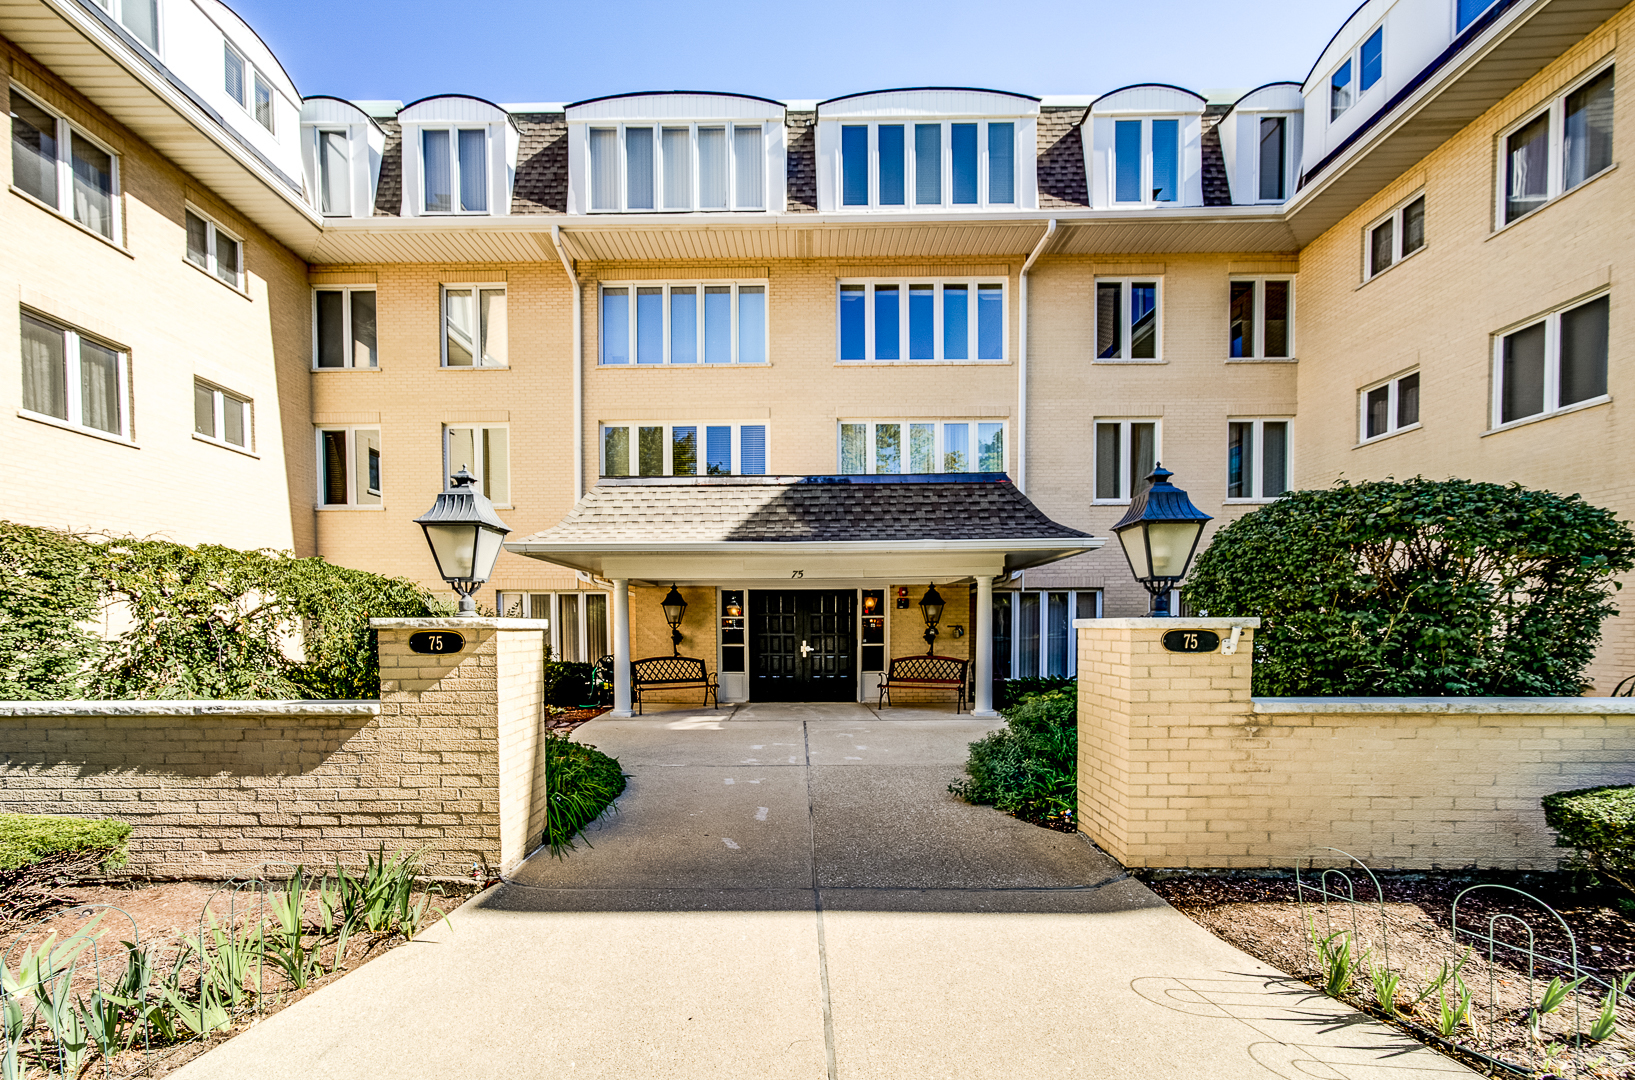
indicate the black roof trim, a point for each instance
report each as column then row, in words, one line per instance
column 914, row 89
column 666, row 93
column 1324, row 50
column 468, row 97
column 343, row 101
column 256, row 34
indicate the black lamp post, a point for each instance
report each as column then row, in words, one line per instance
column 465, row 535
column 674, row 608
column 931, row 605
column 1160, row 535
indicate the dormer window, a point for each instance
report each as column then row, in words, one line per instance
column 454, row 170
column 1143, row 147
column 1274, row 158
column 959, row 163
column 341, row 149
column 681, row 166
column 334, row 174
column 1260, row 142
column 459, row 157
column 140, row 17
column 1357, row 75
column 1147, row 161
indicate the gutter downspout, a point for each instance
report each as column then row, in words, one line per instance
column 1022, row 361
column 579, row 364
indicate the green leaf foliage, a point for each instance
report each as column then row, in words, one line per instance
column 49, row 590
column 1008, row 692
column 1418, row 588
column 1029, row 767
column 26, row 839
column 1600, row 823
column 581, row 783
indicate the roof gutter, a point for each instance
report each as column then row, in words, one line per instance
column 1022, row 360
column 578, row 365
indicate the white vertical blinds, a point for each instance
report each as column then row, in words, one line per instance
column 604, row 169
column 638, row 150
column 437, row 167
column 334, row 173
column 474, row 171
column 678, row 168
column 712, row 168
column 750, row 164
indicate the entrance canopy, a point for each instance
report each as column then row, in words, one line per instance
column 940, row 527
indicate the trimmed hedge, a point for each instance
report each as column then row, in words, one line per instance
column 26, row 839
column 1600, row 824
column 1008, row 692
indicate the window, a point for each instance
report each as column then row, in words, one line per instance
column 1468, row 10
column 334, row 158
column 140, row 17
column 263, row 102
column 1555, row 151
column 920, row 320
column 214, row 250
column 684, row 323
column 1357, row 74
column 1260, row 319
column 1126, row 454
column 1397, row 236
column 1552, row 364
column 454, row 170
column 344, row 328
column 578, row 633
column 73, row 378
column 235, row 66
column 474, row 326
column 1273, row 179
column 1257, row 460
column 63, row 167
column 1390, row 407
column 685, row 166
column 960, row 163
column 694, row 449
column 890, row 447
column 484, row 452
column 349, row 467
column 1126, row 319
column 247, row 86
column 1146, row 161
column 1033, row 632
column 221, row 416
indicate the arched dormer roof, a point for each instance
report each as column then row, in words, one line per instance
column 453, row 108
column 324, row 109
column 1147, row 98
column 929, row 101
column 1273, row 97
column 675, row 104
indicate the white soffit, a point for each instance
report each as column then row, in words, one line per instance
column 677, row 105
column 933, row 102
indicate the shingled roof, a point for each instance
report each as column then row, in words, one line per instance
column 541, row 185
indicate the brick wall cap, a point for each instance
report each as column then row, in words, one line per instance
column 1166, row 624
column 1489, row 706
column 226, row 710
column 472, row 623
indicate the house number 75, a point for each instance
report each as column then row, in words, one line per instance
column 797, row 574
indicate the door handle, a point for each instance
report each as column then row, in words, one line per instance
column 806, row 650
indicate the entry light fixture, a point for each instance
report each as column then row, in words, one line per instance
column 675, row 607
column 1160, row 535
column 465, row 536
column 931, row 605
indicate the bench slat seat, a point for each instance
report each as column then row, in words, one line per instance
column 926, row 672
column 668, row 672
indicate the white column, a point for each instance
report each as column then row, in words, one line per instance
column 983, row 706
column 621, row 647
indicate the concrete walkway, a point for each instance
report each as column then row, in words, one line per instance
column 789, row 891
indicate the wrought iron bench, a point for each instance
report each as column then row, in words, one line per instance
column 667, row 672
column 926, row 672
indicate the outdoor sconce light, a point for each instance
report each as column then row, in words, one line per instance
column 465, row 535
column 931, row 605
column 1160, row 535
column 674, row 608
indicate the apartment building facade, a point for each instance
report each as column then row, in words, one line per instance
column 798, row 358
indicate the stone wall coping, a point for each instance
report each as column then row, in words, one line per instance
column 1489, row 706
column 226, row 710
column 1166, row 624
column 479, row 622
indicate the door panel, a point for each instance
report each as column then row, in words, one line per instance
column 803, row 645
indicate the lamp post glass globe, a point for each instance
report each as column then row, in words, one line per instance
column 464, row 534
column 931, row 605
column 675, row 607
column 1160, row 535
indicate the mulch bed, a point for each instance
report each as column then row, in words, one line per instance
column 1261, row 916
column 564, row 721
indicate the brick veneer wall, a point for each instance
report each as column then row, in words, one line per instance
column 1180, row 767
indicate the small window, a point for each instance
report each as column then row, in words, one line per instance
column 891, row 447
column 1555, row 151
column 1468, row 10
column 1257, row 460
column 1274, row 158
column 1126, row 454
column 683, row 323
column 454, row 170
column 1261, row 319
column 485, row 452
column 1371, row 61
column 1146, row 161
column 931, row 321
column 64, row 168
column 236, row 85
column 1340, row 91
column 1357, row 74
column 964, row 163
column 349, row 467
column 344, row 328
column 1390, row 407
column 214, row 250
column 1552, row 364
column 1398, row 235
column 140, row 17
column 221, row 416
column 72, row 378
column 1127, row 323
column 690, row 449
column 579, row 623
column 475, row 328
column 334, row 156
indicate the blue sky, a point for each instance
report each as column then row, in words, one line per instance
column 543, row 50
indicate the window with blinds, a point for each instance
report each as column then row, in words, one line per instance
column 645, row 168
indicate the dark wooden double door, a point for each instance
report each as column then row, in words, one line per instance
column 803, row 645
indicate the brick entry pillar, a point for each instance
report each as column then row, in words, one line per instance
column 477, row 765
column 1155, row 739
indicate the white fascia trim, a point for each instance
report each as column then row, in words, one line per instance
column 810, row 547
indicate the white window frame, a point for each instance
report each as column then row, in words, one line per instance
column 246, row 73
column 1397, row 218
column 1291, row 167
column 73, row 382
column 504, row 598
column 1554, row 141
column 1260, row 280
column 212, row 228
column 65, row 132
column 219, row 422
column 1147, row 166
column 1354, row 58
column 973, row 310
column 1393, row 399
column 314, row 135
column 1128, row 314
column 480, row 467
column 634, row 441
column 116, row 9
column 734, row 203
column 352, row 473
column 669, row 287
column 477, row 289
column 945, row 164
column 347, row 338
column 1044, row 627
column 1125, row 480
column 1257, row 465
column 939, row 448
column 1552, row 367
column 453, row 131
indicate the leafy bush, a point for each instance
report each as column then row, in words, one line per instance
column 1418, row 588
column 568, row 684
column 581, row 783
column 48, row 591
column 37, row 852
column 1600, row 823
column 1028, row 768
column 1011, row 691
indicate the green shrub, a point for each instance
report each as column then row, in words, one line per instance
column 1600, row 824
column 1010, row 691
column 568, row 684
column 581, row 783
column 26, row 839
column 1028, row 768
column 1418, row 588
column 48, row 591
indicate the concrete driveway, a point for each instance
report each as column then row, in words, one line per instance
column 789, row 891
